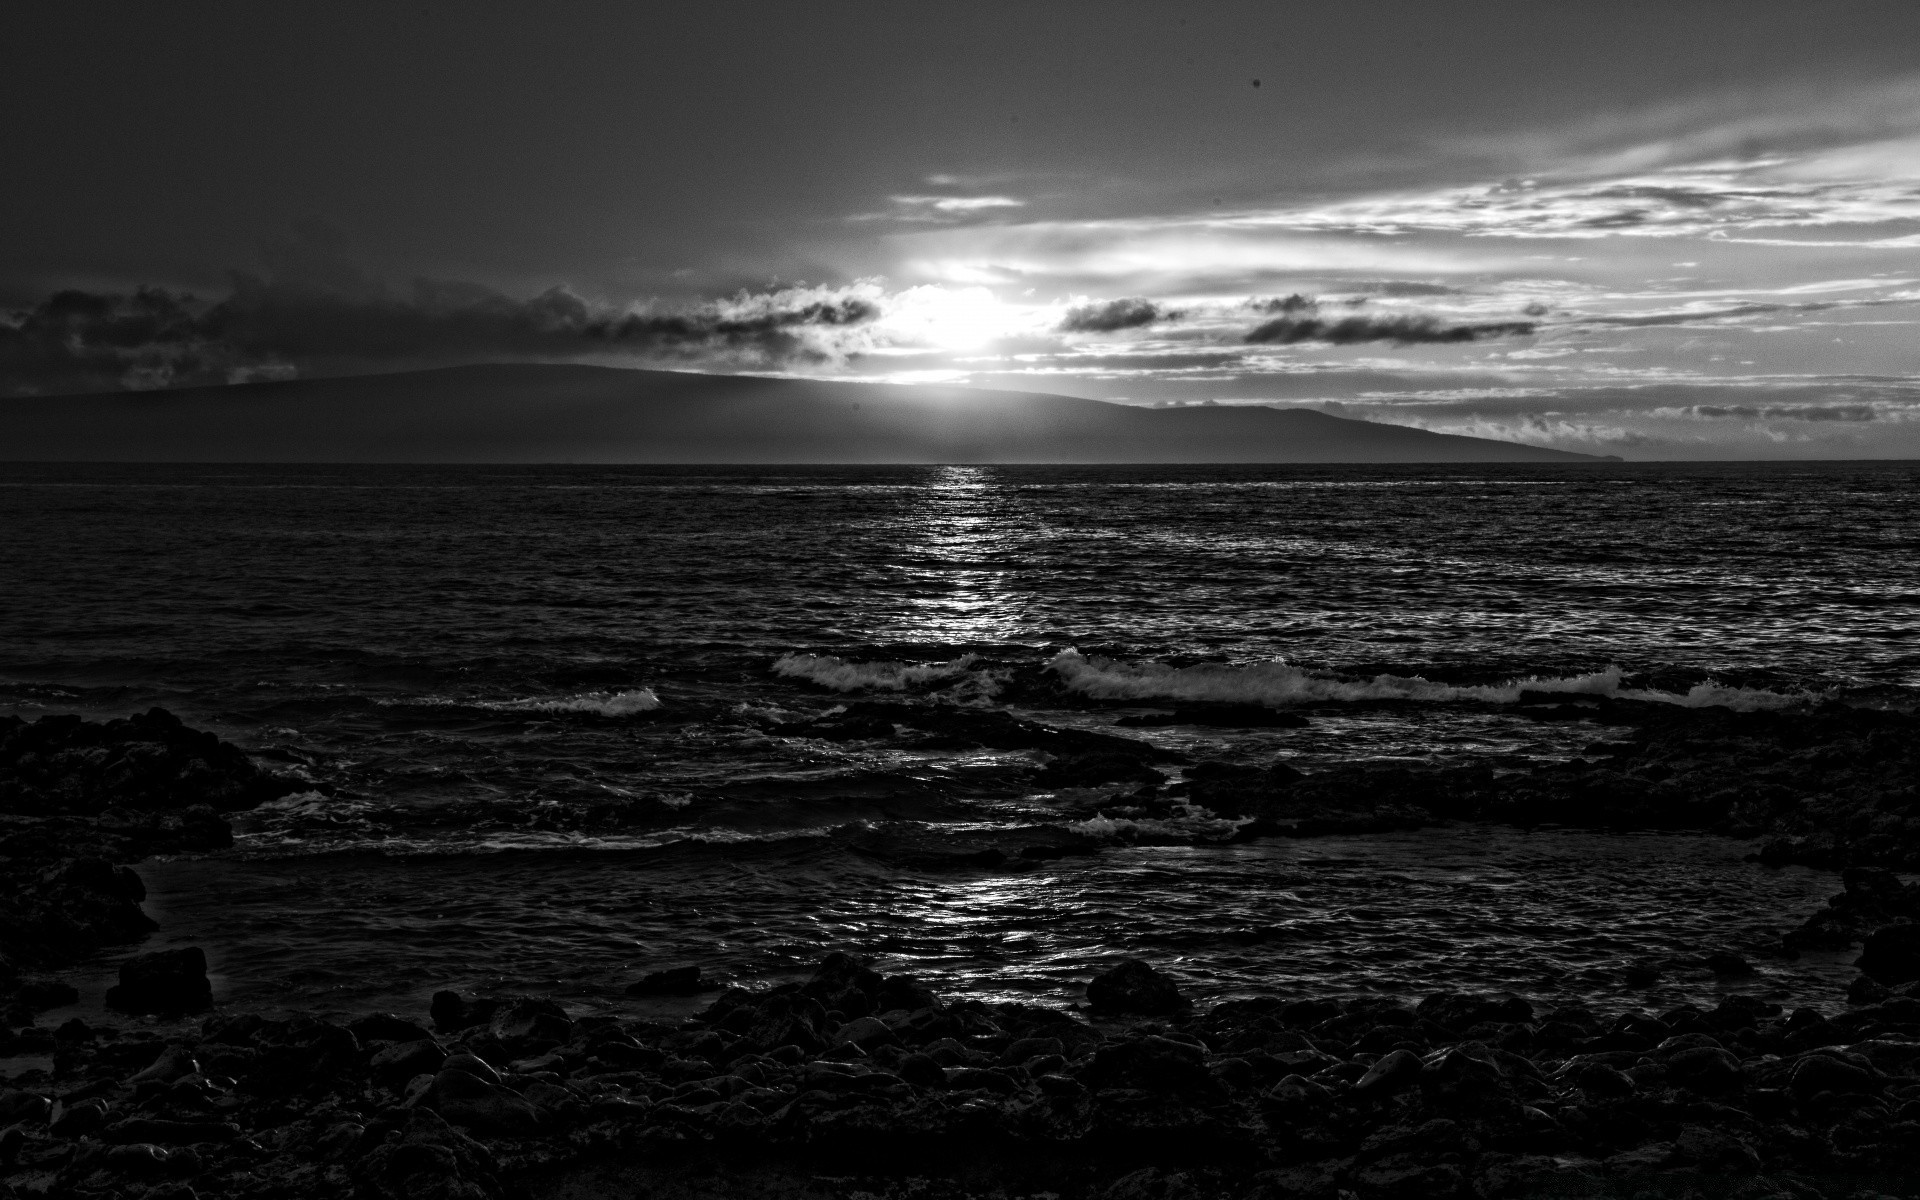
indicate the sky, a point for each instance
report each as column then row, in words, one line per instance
column 1674, row 230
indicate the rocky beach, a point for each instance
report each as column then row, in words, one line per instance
column 849, row 1082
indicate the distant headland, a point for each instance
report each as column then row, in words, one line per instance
column 566, row 413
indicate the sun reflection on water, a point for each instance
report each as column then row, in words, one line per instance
column 962, row 570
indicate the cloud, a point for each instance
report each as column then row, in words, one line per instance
column 959, row 204
column 1344, row 331
column 315, row 314
column 1131, row 312
column 1295, row 303
column 1406, row 287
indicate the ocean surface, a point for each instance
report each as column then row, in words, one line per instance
column 536, row 709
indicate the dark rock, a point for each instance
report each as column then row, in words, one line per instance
column 1091, row 770
column 1891, row 954
column 480, row 1105
column 429, row 1160
column 450, row 1012
column 531, row 1019
column 77, row 1119
column 62, row 765
column 867, row 1033
column 173, row 1063
column 920, row 1070
column 1817, row 1073
column 1708, row 1070
column 771, row 1020
column 1392, row 1073
column 1458, row 1012
column 401, row 1061
column 675, row 981
column 168, row 1133
column 385, row 1027
column 1135, row 987
column 165, row 981
column 1729, row 966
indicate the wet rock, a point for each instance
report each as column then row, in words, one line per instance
column 165, row 981
column 772, row 1020
column 1891, row 954
column 1458, row 1012
column 451, row 1012
column 429, row 1160
column 922, row 1070
column 480, row 1105
column 1135, row 987
column 385, row 1027
column 1393, row 1072
column 868, row 1033
column 401, row 1061
column 531, row 1020
column 1816, row 1073
column 1708, row 1070
column 1728, row 965
column 1092, row 770
column 675, row 981
column 77, row 1119
column 173, row 1063
column 168, row 1133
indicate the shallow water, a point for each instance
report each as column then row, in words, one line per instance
column 1549, row 914
column 526, row 697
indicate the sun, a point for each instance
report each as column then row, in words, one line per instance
column 949, row 318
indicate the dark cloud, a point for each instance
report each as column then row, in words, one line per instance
column 1129, row 312
column 315, row 316
column 1349, row 330
column 1296, row 303
column 1789, row 412
column 1406, row 287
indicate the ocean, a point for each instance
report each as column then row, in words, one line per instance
column 549, row 721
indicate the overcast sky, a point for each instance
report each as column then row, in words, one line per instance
column 1675, row 230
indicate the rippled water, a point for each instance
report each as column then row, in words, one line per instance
column 518, row 692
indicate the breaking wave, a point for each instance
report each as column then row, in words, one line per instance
column 623, row 703
column 1278, row 683
column 843, row 676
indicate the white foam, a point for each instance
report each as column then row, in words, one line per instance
column 623, row 703
column 607, row 704
column 1276, row 683
column 843, row 676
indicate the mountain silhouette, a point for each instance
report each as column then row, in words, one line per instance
column 565, row 413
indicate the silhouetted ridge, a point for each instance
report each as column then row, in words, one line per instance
column 549, row 413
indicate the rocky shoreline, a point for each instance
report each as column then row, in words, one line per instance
column 856, row 1083
column 852, row 1083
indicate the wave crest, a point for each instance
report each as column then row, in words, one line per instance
column 1279, row 683
column 623, row 703
column 843, row 676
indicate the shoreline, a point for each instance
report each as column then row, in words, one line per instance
column 1275, row 1096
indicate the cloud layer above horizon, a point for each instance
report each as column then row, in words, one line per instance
column 1737, row 276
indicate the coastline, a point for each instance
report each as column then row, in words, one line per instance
column 830, row 1080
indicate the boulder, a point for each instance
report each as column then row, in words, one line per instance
column 1135, row 987
column 429, row 1160
column 1708, row 1070
column 401, row 1061
column 530, row 1020
column 165, row 981
column 481, row 1105
column 1891, row 954
column 1818, row 1073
